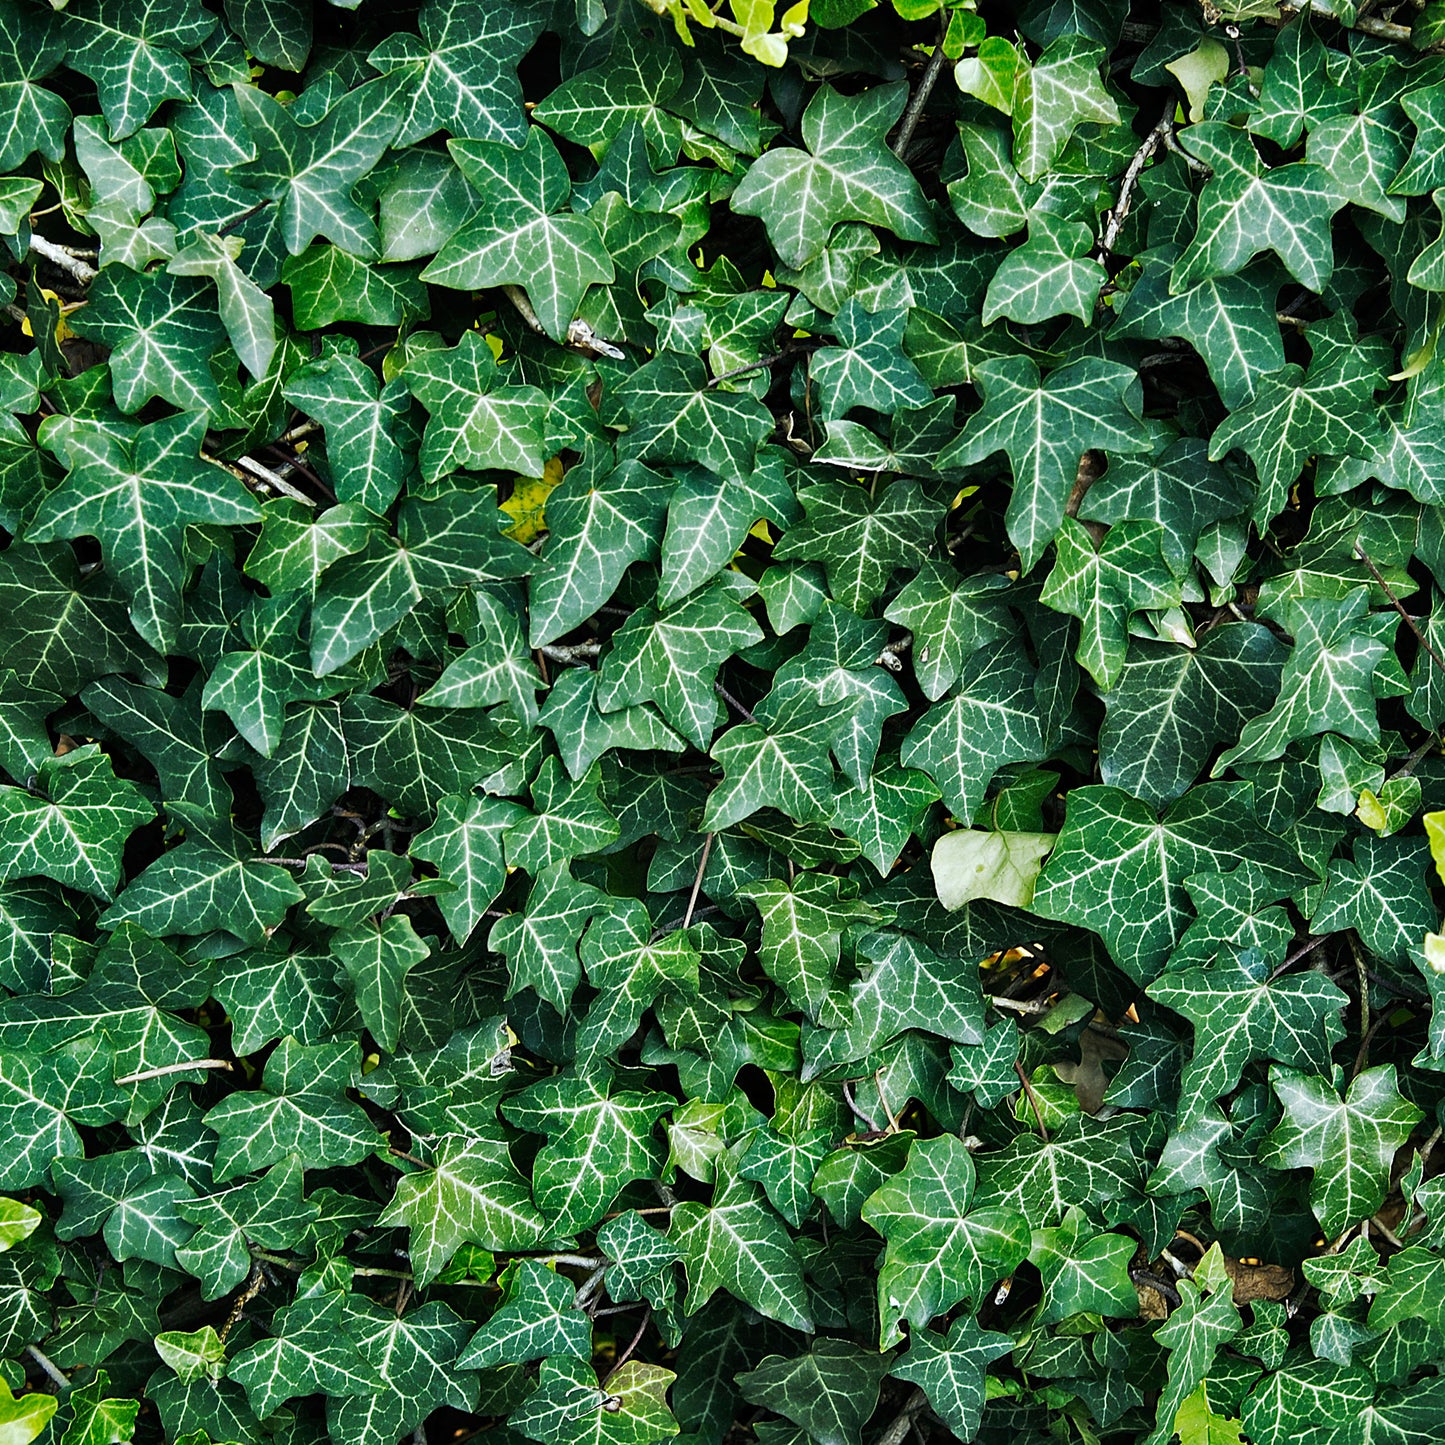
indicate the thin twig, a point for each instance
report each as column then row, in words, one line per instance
column 632, row 1344
column 912, row 1406
column 920, row 96
column 1171, row 143
column 572, row 654
column 273, row 479
column 1033, row 1099
column 1142, row 156
column 580, row 1261
column 1366, row 24
column 732, row 702
column 60, row 256
column 1306, row 948
column 1395, row 603
column 1412, row 761
column 49, row 1366
column 697, row 881
column 253, row 1286
column 305, row 862
column 858, row 1110
column 245, row 216
column 1234, row 34
column 181, row 1068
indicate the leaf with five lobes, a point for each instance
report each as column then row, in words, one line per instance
column 540, row 944
column 1327, row 684
column 1246, row 208
column 300, row 1109
column 474, row 1195
column 1348, row 1143
column 786, row 1166
column 677, row 416
column 162, row 329
column 521, row 234
column 539, row 1319
column 310, row 1352
column 598, row 1142
column 803, row 924
column 780, row 761
column 738, row 1243
column 463, row 69
column 1298, row 92
column 1228, row 320
column 450, row 541
column 992, row 720
column 860, row 541
column 32, row 118
column 569, row 1408
column 362, row 418
column 1051, row 274
column 672, row 659
column 1382, row 894
column 465, row 843
column 137, row 498
column 416, row 1356
column 36, row 1092
column 709, row 516
column 569, row 818
column 601, row 519
column 477, row 420
column 950, row 1368
column 377, row 956
column 939, row 1250
column 1119, row 870
column 830, row 1391
column 1241, row 1014
column 950, row 617
column 868, row 368
column 847, row 173
column 309, row 170
column 136, row 1208
column 1172, row 706
column 1105, row 584
column 1053, row 97
column 72, row 824
column 629, row 968
column 136, row 54
column 1045, row 425
column 268, row 1212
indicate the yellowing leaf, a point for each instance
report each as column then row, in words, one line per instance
column 527, row 506
column 1206, row 65
column 971, row 864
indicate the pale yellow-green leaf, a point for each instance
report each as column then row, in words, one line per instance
column 17, row 1221
column 971, row 864
column 1206, row 65
column 22, row 1420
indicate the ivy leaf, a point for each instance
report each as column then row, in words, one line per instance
column 32, row 118
column 1054, row 96
column 568, row 1407
column 1051, row 274
column 462, row 71
column 1349, row 1143
column 465, row 843
column 583, row 733
column 309, row 170
column 97, row 1418
column 162, row 330
column 246, row 311
column 1193, row 1335
column 846, row 173
column 540, row 943
column 1381, row 894
column 135, row 56
column 869, row 368
column 1083, row 1274
column 739, row 1244
column 72, row 824
column 860, row 540
column 598, row 1142
column 600, row 520
column 1240, row 1013
column 521, row 235
column 1120, row 870
column 950, row 1370
column 540, row 1319
column 1045, row 425
column 939, row 1252
column 473, row 1195
column 830, row 1391
column 569, row 818
column 672, row 659
column 363, row 419
column 1246, row 208
column 377, row 958
column 137, row 498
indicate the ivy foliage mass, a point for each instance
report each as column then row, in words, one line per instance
column 722, row 723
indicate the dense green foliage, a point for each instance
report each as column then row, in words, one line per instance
column 721, row 724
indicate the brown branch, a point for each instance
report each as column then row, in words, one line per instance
column 1395, row 603
column 919, row 98
column 1033, row 1099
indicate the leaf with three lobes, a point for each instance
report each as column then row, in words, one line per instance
column 1382, row 894
column 473, row 1195
column 465, row 844
column 32, row 118
column 830, row 1390
column 462, row 69
column 309, row 170
column 540, row 943
column 1051, row 274
column 73, row 823
column 1045, row 425
column 601, row 519
column 939, row 1251
column 137, row 499
column 1054, row 96
column 301, row 1108
column 1348, row 1143
column 377, row 956
column 868, row 368
column 522, row 234
column 950, row 1370
column 569, row 1408
column 847, row 173
column 539, row 1319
